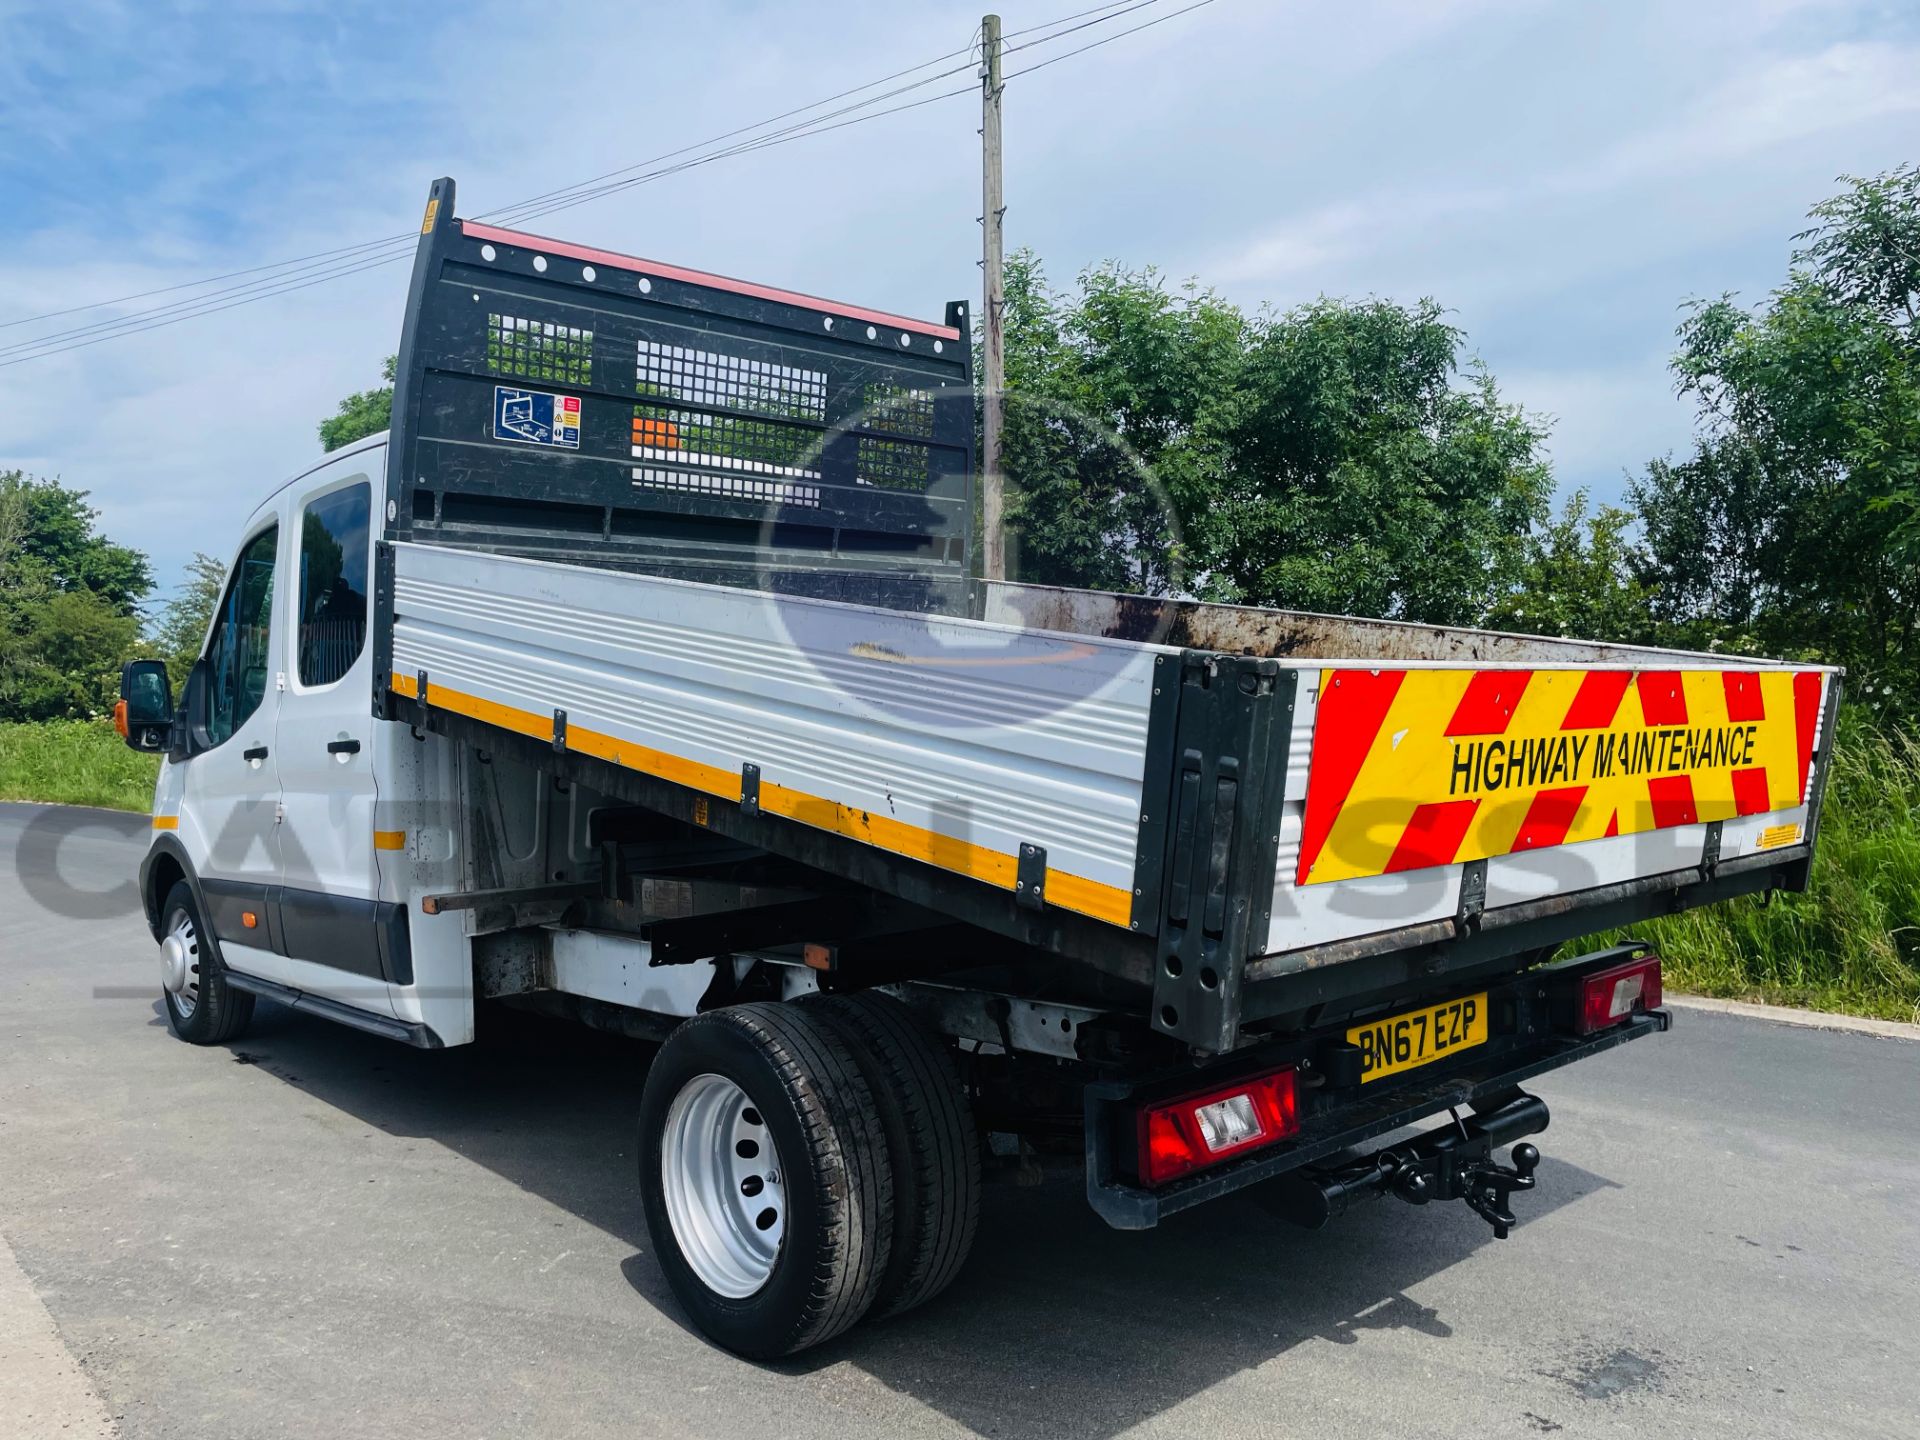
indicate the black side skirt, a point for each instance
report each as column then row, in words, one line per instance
column 421, row 1037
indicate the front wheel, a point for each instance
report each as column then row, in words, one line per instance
column 765, row 1177
column 202, row 1007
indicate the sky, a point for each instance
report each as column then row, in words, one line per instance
column 1562, row 177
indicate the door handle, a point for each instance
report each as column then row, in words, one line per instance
column 254, row 752
column 343, row 747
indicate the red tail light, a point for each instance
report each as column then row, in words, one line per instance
column 1195, row 1131
column 1609, row 996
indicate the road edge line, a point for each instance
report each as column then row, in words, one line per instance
column 1806, row 1019
column 46, row 1389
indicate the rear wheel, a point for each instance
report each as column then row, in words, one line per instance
column 931, row 1143
column 764, row 1173
column 202, row 1007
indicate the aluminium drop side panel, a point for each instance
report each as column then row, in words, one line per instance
column 964, row 745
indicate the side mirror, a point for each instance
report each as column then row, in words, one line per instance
column 145, row 712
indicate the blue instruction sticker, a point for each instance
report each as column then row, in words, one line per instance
column 533, row 417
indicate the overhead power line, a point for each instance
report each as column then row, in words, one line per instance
column 1049, row 24
column 580, row 194
column 497, row 213
column 264, row 282
column 1108, row 39
column 196, row 284
column 1114, row 12
column 226, row 300
column 402, row 247
column 757, row 125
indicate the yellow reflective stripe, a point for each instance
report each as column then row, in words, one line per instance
column 166, row 822
column 710, row 778
column 1090, row 897
column 389, row 839
column 962, row 857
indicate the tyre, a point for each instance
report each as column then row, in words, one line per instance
column 932, row 1145
column 202, row 1007
column 764, row 1174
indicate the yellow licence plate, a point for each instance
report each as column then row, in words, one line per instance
column 1419, row 1037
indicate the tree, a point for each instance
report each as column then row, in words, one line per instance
column 364, row 413
column 1162, row 440
column 15, row 589
column 1794, row 526
column 1577, row 579
column 1361, row 479
column 1113, row 438
column 57, row 544
column 73, row 646
column 183, row 621
column 69, row 602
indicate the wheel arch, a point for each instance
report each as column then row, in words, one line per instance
column 165, row 866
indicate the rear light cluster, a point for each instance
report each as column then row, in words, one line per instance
column 1611, row 995
column 1179, row 1136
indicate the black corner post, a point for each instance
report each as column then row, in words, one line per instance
column 437, row 233
column 1231, row 733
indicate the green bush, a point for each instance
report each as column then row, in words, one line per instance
column 1852, row 942
column 74, row 762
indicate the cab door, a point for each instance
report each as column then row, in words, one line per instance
column 339, row 939
column 230, row 787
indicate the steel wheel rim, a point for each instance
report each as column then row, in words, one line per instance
column 186, row 999
column 723, row 1186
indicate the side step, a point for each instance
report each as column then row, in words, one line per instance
column 385, row 1026
column 1454, row 1162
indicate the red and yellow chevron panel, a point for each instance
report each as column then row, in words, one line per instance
column 1415, row 768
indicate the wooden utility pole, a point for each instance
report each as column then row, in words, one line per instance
column 993, row 288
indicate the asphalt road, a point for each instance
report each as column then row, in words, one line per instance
column 316, row 1233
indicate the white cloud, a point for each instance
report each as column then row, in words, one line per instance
column 1773, row 104
column 1778, row 102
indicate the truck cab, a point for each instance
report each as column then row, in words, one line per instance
column 269, row 800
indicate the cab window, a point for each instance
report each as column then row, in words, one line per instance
column 238, row 648
column 333, row 583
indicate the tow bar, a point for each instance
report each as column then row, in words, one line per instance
column 1454, row 1162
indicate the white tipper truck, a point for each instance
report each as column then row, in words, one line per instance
column 638, row 676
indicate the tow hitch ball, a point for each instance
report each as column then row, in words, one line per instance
column 1453, row 1162
column 1483, row 1184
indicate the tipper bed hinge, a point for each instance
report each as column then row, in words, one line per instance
column 1710, row 850
column 1030, row 877
column 1473, row 897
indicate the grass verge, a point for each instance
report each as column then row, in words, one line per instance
column 74, row 762
column 1850, row 944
